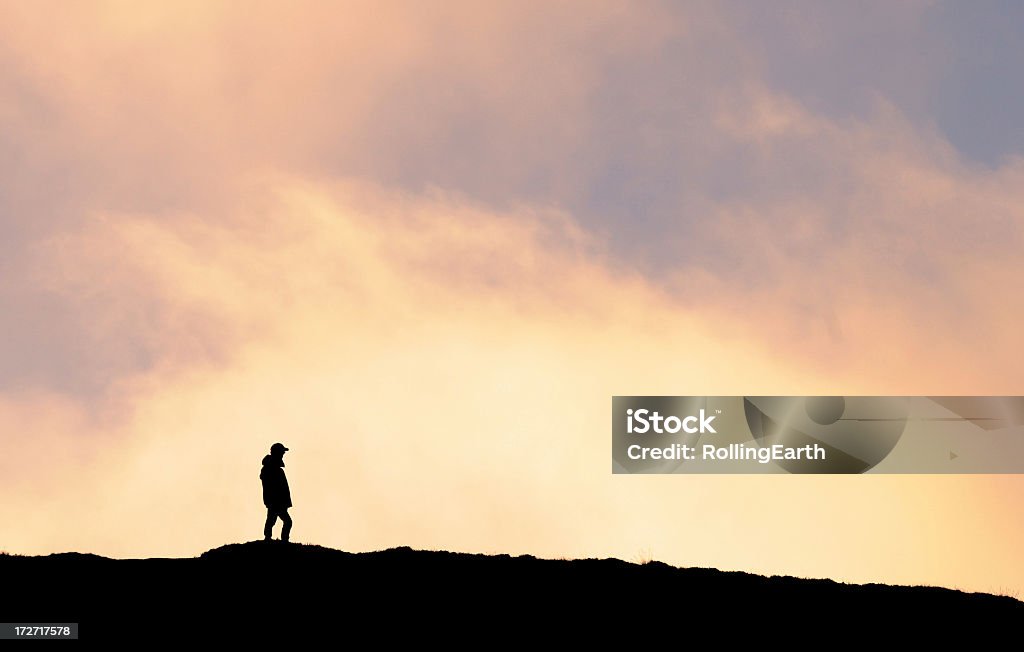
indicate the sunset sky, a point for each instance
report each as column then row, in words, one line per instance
column 424, row 243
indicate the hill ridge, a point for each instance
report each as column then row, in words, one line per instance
column 250, row 584
column 244, row 551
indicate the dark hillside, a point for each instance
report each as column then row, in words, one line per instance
column 308, row 592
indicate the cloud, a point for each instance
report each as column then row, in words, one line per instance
column 890, row 263
column 136, row 108
column 414, row 348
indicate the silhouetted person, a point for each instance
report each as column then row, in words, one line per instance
column 276, row 495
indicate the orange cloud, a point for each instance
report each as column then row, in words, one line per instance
column 890, row 270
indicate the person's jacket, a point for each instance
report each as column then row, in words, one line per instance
column 275, row 485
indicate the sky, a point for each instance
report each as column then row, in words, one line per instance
column 424, row 244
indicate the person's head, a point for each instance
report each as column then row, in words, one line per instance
column 277, row 450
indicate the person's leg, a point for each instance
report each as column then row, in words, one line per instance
column 268, row 529
column 286, row 520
